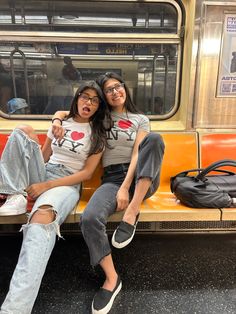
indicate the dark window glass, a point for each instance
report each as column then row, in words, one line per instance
column 140, row 41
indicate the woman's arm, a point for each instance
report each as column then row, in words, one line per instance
column 60, row 115
column 36, row 189
column 47, row 150
column 57, row 129
column 123, row 193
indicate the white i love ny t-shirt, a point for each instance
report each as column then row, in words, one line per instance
column 122, row 136
column 73, row 149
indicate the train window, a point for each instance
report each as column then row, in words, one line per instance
column 130, row 16
column 40, row 39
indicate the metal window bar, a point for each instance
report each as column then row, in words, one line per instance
column 17, row 50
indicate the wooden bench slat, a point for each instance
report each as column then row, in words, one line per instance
column 228, row 213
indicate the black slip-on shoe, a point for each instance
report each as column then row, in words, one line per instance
column 103, row 299
column 124, row 234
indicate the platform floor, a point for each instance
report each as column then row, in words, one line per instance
column 162, row 274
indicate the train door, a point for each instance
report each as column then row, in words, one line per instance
column 215, row 88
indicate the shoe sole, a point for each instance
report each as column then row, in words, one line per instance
column 10, row 213
column 121, row 245
column 107, row 308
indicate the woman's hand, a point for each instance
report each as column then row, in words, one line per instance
column 36, row 189
column 122, row 198
column 58, row 131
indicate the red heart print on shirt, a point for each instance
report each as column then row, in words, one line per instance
column 76, row 135
column 124, row 124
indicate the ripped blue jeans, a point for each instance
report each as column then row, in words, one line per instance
column 38, row 239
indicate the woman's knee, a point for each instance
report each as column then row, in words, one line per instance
column 27, row 129
column 43, row 215
column 153, row 141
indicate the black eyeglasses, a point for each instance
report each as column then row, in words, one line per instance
column 95, row 101
column 117, row 87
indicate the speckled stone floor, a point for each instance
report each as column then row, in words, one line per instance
column 177, row 274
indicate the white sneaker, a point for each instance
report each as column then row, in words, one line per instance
column 15, row 205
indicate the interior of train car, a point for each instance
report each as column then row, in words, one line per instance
column 178, row 58
column 143, row 42
column 173, row 64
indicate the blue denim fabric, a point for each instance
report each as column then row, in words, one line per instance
column 38, row 243
column 21, row 164
column 38, row 239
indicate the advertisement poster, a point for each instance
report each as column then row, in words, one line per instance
column 227, row 69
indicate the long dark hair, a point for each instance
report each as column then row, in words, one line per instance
column 98, row 134
column 129, row 105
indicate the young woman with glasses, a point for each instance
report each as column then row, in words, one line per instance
column 53, row 178
column 132, row 164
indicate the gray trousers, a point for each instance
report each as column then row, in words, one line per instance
column 103, row 202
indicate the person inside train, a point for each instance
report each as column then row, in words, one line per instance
column 69, row 71
column 55, row 186
column 6, row 88
column 63, row 91
column 132, row 164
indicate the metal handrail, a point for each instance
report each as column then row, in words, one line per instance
column 17, row 50
column 166, row 64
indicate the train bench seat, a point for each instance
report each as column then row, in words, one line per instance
column 181, row 153
column 217, row 146
column 184, row 150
